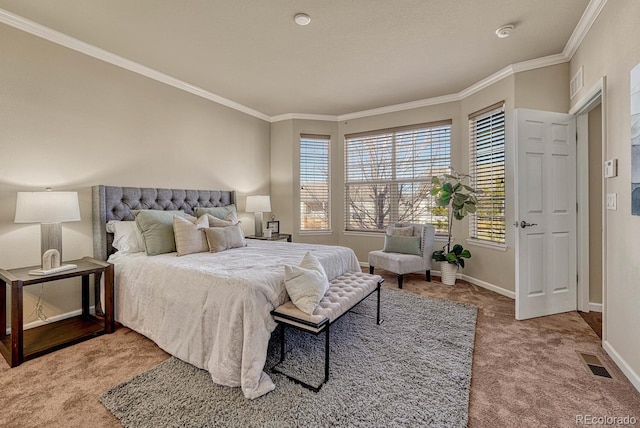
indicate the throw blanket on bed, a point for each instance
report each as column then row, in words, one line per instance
column 213, row 309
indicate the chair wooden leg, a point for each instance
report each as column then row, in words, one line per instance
column 371, row 270
column 400, row 281
column 428, row 276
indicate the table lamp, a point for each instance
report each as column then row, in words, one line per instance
column 49, row 209
column 258, row 205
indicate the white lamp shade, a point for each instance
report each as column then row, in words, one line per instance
column 258, row 204
column 47, row 207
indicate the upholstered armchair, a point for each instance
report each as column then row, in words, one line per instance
column 407, row 249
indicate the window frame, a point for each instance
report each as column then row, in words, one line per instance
column 395, row 167
column 322, row 141
column 493, row 146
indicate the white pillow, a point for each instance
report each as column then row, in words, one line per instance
column 127, row 237
column 306, row 284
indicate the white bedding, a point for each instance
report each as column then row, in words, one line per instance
column 213, row 309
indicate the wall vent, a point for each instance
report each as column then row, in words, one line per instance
column 576, row 83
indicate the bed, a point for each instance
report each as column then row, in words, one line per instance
column 211, row 310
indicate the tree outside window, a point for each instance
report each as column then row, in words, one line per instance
column 388, row 176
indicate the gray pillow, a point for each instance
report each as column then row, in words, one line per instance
column 157, row 230
column 220, row 212
column 400, row 230
column 224, row 238
column 402, row 244
column 216, row 222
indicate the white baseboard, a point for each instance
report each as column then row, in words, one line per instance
column 633, row 377
column 488, row 286
column 595, row 307
column 472, row 280
column 54, row 318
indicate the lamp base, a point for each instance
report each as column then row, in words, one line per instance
column 258, row 223
column 51, row 238
column 42, row 272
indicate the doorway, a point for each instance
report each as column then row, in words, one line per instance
column 591, row 122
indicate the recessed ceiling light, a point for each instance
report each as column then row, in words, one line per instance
column 302, row 19
column 505, row 31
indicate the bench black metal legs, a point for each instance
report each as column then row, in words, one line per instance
column 316, row 329
column 326, row 331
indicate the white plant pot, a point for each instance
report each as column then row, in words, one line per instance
column 448, row 273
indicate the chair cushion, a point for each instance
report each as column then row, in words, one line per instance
column 397, row 262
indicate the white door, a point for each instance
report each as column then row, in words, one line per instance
column 546, row 272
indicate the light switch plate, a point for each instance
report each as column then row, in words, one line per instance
column 611, row 168
column 612, row 201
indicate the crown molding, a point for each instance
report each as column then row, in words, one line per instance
column 304, row 116
column 62, row 39
column 586, row 21
column 400, row 107
column 584, row 25
column 476, row 87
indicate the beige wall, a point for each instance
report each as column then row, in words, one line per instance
column 595, row 205
column 543, row 88
column 611, row 49
column 285, row 176
column 484, row 260
column 522, row 89
column 282, row 171
column 69, row 121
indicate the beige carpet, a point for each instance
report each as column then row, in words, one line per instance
column 525, row 373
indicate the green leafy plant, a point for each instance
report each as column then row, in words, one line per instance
column 455, row 256
column 461, row 200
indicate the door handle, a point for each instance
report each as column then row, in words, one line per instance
column 524, row 224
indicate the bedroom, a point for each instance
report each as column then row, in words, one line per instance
column 71, row 121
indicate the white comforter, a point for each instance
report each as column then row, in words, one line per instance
column 213, row 309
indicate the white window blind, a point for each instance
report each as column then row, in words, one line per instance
column 486, row 138
column 388, row 176
column 315, row 186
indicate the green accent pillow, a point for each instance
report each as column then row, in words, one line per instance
column 402, row 244
column 157, row 230
column 220, row 212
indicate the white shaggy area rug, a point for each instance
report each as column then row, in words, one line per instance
column 412, row 370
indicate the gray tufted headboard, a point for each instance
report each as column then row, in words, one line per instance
column 116, row 203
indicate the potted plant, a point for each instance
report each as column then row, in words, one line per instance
column 451, row 192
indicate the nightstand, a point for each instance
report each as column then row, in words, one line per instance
column 274, row 237
column 20, row 345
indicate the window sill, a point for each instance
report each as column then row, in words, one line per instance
column 487, row 244
column 315, row 232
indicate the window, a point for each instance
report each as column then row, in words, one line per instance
column 315, row 212
column 486, row 139
column 388, row 176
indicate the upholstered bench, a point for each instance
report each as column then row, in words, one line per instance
column 344, row 293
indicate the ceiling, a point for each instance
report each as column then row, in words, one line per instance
column 354, row 56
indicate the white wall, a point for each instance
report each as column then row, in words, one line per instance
column 611, row 49
column 69, row 121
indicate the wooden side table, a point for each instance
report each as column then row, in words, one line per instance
column 20, row 345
